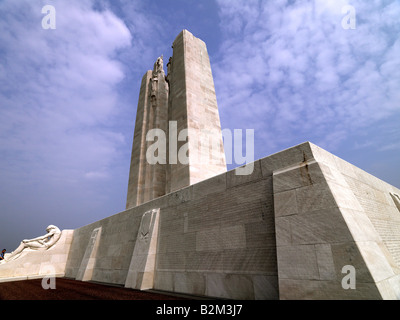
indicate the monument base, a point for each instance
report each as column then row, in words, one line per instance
column 33, row 264
column 304, row 225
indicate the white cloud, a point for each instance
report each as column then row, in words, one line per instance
column 57, row 87
column 311, row 78
column 67, row 106
column 96, row 175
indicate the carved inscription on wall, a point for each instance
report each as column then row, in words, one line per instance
column 87, row 265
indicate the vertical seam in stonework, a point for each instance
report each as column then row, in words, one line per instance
column 184, row 37
column 142, row 162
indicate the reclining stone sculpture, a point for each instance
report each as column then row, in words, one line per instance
column 39, row 243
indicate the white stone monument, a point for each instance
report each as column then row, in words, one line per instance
column 304, row 224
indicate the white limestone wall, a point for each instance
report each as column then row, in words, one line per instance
column 215, row 238
column 114, row 248
column 285, row 231
column 372, row 216
column 330, row 215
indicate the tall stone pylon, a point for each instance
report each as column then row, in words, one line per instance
column 147, row 180
column 183, row 105
column 192, row 106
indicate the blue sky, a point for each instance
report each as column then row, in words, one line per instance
column 287, row 69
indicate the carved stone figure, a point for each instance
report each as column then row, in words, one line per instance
column 158, row 65
column 43, row 242
column 154, row 84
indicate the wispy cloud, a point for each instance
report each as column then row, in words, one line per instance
column 59, row 108
column 58, row 87
column 299, row 74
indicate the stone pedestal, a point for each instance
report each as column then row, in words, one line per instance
column 39, row 263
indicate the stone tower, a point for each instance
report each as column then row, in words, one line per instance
column 182, row 104
column 147, row 181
